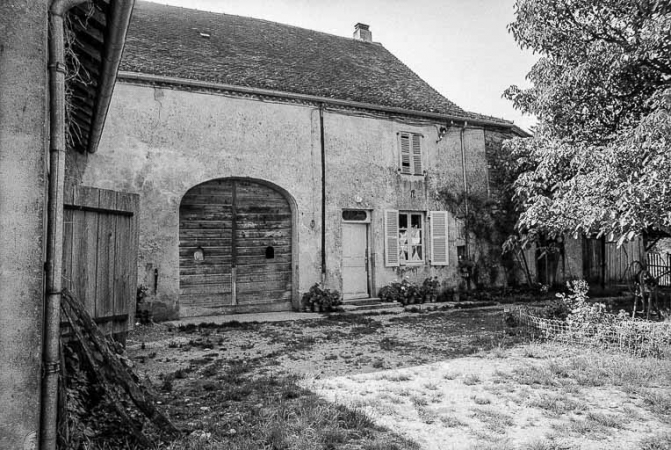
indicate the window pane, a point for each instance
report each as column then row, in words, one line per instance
column 410, row 238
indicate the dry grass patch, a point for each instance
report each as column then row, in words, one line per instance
column 495, row 420
column 557, row 404
column 471, row 380
column 451, row 421
column 523, row 397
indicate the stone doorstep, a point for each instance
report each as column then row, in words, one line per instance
column 378, row 305
column 364, row 301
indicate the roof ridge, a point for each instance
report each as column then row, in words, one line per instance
column 245, row 51
column 262, row 20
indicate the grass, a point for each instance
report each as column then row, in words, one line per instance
column 557, row 404
column 480, row 400
column 471, row 380
column 495, row 420
column 659, row 441
column 268, row 409
column 451, row 421
column 284, row 416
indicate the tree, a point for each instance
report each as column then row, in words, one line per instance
column 600, row 159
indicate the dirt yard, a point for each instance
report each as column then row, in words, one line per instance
column 443, row 380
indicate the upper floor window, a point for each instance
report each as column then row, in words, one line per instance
column 410, row 151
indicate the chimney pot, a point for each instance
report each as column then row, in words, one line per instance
column 362, row 32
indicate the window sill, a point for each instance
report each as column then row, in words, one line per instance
column 411, row 175
column 424, row 173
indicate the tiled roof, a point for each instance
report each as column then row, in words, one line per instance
column 241, row 51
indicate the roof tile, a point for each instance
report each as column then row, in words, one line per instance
column 241, row 51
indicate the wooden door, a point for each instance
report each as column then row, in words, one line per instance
column 205, row 245
column 235, row 245
column 100, row 245
column 354, row 261
column 262, row 245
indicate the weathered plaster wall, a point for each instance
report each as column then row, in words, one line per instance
column 161, row 142
column 362, row 163
column 23, row 108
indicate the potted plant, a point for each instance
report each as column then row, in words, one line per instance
column 429, row 289
column 321, row 300
column 466, row 267
column 390, row 293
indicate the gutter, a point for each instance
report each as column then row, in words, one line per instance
column 54, row 284
column 147, row 78
column 117, row 27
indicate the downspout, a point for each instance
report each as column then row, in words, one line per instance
column 463, row 172
column 54, row 286
column 323, row 161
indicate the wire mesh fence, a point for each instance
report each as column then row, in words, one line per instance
column 635, row 336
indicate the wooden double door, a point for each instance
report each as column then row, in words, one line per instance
column 235, row 245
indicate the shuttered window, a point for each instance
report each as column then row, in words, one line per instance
column 391, row 238
column 410, row 151
column 439, row 249
column 405, row 235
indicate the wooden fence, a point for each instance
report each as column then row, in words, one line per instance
column 605, row 261
column 100, row 242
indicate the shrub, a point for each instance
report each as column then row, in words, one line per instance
column 429, row 289
column 321, row 299
column 410, row 292
column 406, row 292
column 390, row 293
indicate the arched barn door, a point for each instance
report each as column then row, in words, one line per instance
column 234, row 245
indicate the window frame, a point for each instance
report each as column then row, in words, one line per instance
column 434, row 241
column 408, row 261
column 414, row 153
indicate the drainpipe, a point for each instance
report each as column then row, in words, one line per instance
column 463, row 171
column 51, row 357
column 323, row 161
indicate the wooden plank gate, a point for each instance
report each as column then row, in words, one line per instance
column 605, row 262
column 235, row 246
column 100, row 244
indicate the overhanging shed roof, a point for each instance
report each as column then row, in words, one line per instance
column 95, row 39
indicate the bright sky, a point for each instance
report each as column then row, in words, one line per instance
column 460, row 47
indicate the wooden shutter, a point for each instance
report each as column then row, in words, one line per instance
column 404, row 148
column 391, row 238
column 439, row 249
column 416, row 154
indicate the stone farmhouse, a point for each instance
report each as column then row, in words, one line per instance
column 269, row 158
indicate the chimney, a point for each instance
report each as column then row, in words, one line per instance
column 362, row 33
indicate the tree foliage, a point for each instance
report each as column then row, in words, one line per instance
column 600, row 159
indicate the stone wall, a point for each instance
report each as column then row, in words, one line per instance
column 23, row 114
column 160, row 142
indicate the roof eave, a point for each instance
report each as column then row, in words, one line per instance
column 149, row 78
column 120, row 14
